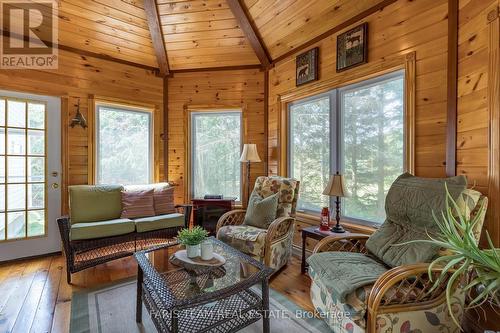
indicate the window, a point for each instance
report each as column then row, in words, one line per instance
column 215, row 153
column 22, row 168
column 124, row 148
column 357, row 130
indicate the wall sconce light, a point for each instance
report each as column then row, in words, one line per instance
column 79, row 119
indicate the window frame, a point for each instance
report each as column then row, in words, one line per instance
column 192, row 141
column 336, row 130
column 129, row 109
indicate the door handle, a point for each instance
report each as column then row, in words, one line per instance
column 55, row 186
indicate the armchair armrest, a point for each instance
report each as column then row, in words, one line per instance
column 234, row 217
column 280, row 229
column 352, row 243
column 406, row 288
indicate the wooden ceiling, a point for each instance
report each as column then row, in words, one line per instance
column 199, row 33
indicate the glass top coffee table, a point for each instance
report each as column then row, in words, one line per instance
column 215, row 300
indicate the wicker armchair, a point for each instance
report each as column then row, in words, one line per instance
column 401, row 299
column 273, row 246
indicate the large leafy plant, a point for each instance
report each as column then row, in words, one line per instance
column 463, row 258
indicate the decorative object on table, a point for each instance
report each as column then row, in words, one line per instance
column 207, row 250
column 79, row 119
column 464, row 258
column 207, row 211
column 180, row 258
column 192, row 238
column 306, row 67
column 325, row 219
column 249, row 155
column 336, row 188
column 315, row 233
column 352, row 48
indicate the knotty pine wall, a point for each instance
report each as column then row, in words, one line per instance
column 419, row 26
column 77, row 78
column 217, row 90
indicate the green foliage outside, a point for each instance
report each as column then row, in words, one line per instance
column 216, row 144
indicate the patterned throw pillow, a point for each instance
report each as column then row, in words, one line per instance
column 261, row 212
column 164, row 200
column 137, row 204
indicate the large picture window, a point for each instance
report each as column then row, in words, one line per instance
column 357, row 130
column 215, row 153
column 124, row 152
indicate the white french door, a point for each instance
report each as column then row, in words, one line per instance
column 30, row 173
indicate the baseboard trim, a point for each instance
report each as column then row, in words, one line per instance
column 50, row 254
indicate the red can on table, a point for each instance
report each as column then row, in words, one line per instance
column 325, row 219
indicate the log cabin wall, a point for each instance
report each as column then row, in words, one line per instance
column 77, row 78
column 420, row 26
column 215, row 90
column 474, row 110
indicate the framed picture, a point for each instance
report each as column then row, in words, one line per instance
column 306, row 67
column 352, row 48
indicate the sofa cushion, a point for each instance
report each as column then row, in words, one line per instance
column 93, row 203
column 247, row 239
column 137, row 204
column 159, row 222
column 108, row 228
column 409, row 206
column 261, row 212
column 344, row 272
column 163, row 196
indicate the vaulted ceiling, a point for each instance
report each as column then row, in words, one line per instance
column 199, row 33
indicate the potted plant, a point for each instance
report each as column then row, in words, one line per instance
column 192, row 238
column 463, row 259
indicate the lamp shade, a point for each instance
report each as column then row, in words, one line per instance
column 336, row 186
column 249, row 153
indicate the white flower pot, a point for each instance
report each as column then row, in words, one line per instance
column 207, row 250
column 193, row 251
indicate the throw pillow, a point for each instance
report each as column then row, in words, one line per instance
column 137, row 204
column 261, row 212
column 164, row 200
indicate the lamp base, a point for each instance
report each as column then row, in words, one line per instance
column 337, row 229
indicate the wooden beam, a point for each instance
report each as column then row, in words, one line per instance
column 215, row 69
column 341, row 26
column 452, row 94
column 249, row 31
column 266, row 117
column 165, row 128
column 157, row 35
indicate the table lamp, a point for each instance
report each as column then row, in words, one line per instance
column 249, row 155
column 336, row 188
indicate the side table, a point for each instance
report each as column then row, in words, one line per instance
column 314, row 233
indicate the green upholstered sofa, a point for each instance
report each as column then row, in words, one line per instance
column 95, row 233
column 375, row 284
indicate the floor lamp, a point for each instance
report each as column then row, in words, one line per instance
column 249, row 155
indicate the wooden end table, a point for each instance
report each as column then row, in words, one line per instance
column 314, row 233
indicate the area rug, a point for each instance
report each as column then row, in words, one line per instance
column 111, row 308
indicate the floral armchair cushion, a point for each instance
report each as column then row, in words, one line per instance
column 287, row 188
column 247, row 239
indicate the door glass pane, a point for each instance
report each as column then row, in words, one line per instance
column 216, row 147
column 36, row 115
column 2, row 112
column 16, row 169
column 2, row 198
column 124, row 149
column 2, row 169
column 16, row 197
column 36, row 142
column 16, row 225
column 36, row 223
column 310, row 151
column 373, row 153
column 2, row 226
column 36, row 169
column 16, row 141
column 16, row 115
column 2, row 141
column 36, row 196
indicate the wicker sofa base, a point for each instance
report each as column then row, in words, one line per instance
column 83, row 254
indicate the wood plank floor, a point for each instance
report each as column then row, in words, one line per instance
column 34, row 295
